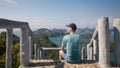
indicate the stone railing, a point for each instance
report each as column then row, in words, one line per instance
column 40, row 52
column 100, row 43
column 100, row 36
column 25, row 41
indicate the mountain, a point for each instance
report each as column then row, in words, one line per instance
column 56, row 32
column 47, row 32
column 42, row 31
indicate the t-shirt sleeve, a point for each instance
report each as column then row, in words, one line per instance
column 64, row 41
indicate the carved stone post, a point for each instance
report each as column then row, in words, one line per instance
column 35, row 50
column 42, row 52
column 117, row 40
column 30, row 48
column 38, row 50
column 89, row 52
column 94, row 49
column 24, row 47
column 9, row 48
column 83, row 53
column 104, row 47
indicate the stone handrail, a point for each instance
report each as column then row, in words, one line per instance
column 91, row 44
column 39, row 52
column 102, row 33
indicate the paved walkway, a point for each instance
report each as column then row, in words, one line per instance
column 60, row 64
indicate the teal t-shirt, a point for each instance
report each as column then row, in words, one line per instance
column 72, row 44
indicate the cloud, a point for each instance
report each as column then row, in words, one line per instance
column 11, row 2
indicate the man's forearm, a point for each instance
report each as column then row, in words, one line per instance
column 62, row 47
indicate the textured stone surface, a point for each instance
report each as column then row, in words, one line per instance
column 117, row 40
column 104, row 47
column 24, row 47
column 9, row 48
column 60, row 64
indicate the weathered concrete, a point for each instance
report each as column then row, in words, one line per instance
column 24, row 47
column 95, row 49
column 104, row 48
column 61, row 64
column 89, row 52
column 95, row 36
column 9, row 48
column 90, row 46
column 12, row 24
column 117, row 40
column 30, row 48
column 37, row 51
column 83, row 56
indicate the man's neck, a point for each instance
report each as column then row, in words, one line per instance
column 72, row 32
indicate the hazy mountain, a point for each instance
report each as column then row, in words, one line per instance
column 53, row 32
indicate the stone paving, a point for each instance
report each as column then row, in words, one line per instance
column 60, row 64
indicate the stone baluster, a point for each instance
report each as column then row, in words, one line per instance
column 89, row 52
column 24, row 47
column 116, row 25
column 42, row 54
column 38, row 50
column 104, row 48
column 35, row 50
column 9, row 48
column 94, row 49
column 83, row 53
column 30, row 48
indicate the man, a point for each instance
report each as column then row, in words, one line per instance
column 72, row 43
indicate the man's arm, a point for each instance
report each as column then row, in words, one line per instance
column 62, row 47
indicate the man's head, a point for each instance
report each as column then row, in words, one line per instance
column 71, row 27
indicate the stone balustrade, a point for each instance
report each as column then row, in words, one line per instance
column 9, row 25
column 99, row 41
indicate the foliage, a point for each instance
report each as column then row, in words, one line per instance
column 112, row 47
column 86, row 35
column 15, row 51
column 45, row 42
column 16, row 55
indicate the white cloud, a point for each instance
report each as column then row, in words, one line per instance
column 11, row 1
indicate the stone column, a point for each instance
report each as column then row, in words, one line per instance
column 24, row 47
column 116, row 25
column 9, row 48
column 89, row 52
column 104, row 47
column 94, row 49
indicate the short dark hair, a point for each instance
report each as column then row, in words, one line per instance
column 73, row 26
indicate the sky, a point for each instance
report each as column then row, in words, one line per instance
column 57, row 13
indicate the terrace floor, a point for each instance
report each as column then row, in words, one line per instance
column 61, row 64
